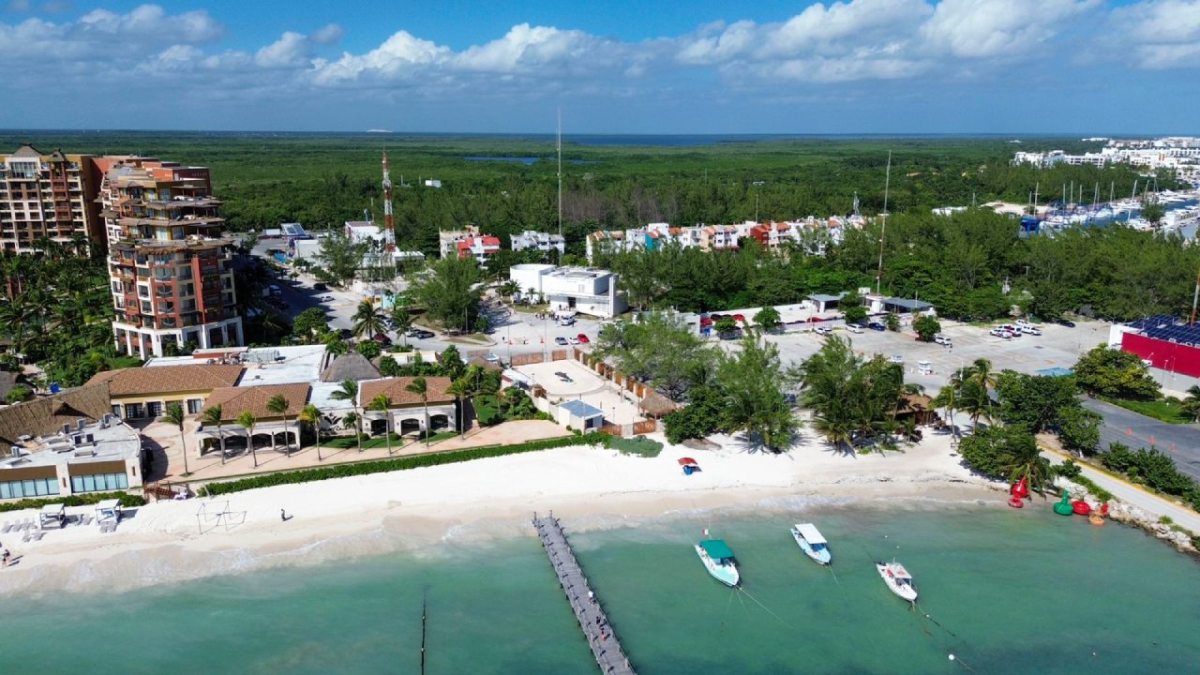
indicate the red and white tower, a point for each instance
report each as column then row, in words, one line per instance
column 389, row 220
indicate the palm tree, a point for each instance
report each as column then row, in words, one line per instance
column 459, row 389
column 348, row 391
column 948, row 398
column 403, row 321
column 176, row 418
column 368, row 320
column 311, row 415
column 279, row 405
column 213, row 416
column 1191, row 404
column 421, row 388
column 247, row 420
column 383, row 403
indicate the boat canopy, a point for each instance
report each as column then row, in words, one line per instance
column 716, row 549
column 899, row 571
column 810, row 533
column 686, row 461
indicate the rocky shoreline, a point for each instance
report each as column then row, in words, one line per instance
column 1179, row 538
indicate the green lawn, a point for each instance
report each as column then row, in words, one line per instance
column 1166, row 410
column 638, row 445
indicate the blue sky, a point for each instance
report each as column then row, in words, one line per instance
column 620, row 66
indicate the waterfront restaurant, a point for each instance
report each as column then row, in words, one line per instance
column 86, row 456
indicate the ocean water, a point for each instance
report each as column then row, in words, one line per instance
column 1004, row 591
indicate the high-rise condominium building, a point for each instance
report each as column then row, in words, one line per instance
column 170, row 265
column 48, row 197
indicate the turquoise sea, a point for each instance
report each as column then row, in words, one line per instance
column 1004, row 591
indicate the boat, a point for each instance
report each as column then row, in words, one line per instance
column 898, row 580
column 719, row 561
column 812, row 542
column 1081, row 507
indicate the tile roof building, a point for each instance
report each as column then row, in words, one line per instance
column 407, row 413
column 236, row 400
column 137, row 393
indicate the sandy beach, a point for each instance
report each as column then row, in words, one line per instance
column 168, row 542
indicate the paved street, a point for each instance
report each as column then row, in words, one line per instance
column 1180, row 441
column 1131, row 494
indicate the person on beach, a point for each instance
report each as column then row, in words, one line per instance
column 4, row 556
column 283, row 515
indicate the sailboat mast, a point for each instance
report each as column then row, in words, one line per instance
column 887, row 184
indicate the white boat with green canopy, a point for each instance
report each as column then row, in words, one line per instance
column 719, row 561
column 812, row 542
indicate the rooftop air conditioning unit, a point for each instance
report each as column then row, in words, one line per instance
column 14, row 451
column 81, row 423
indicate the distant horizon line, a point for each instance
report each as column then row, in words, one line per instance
column 552, row 134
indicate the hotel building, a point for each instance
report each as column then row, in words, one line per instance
column 48, row 197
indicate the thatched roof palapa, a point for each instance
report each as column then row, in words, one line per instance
column 45, row 416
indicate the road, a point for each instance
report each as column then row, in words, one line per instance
column 1136, row 496
column 1180, row 441
column 513, row 333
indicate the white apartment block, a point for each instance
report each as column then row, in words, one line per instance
column 538, row 241
column 568, row 290
column 365, row 231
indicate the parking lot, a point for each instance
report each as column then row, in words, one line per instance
column 1057, row 347
column 618, row 406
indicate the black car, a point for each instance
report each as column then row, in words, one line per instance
column 420, row 333
column 345, row 333
column 875, row 325
column 320, row 287
column 1066, row 322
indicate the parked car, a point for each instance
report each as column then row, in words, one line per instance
column 567, row 321
column 491, row 358
column 383, row 340
column 583, row 339
column 560, row 341
column 942, row 339
column 1001, row 333
column 822, row 330
column 1066, row 322
column 420, row 333
column 854, row 328
column 573, row 340
column 345, row 333
column 563, row 376
column 875, row 325
column 1013, row 331
column 1030, row 330
column 320, row 287
column 896, row 358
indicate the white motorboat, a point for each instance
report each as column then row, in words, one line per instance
column 897, row 579
column 812, row 542
column 719, row 561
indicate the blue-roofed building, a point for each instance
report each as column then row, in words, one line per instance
column 580, row 415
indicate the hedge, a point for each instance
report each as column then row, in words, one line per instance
column 75, row 500
column 397, row 464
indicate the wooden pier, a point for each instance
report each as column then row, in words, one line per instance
column 584, row 601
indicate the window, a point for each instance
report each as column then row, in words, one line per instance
column 99, row 482
column 38, row 487
column 134, row 411
column 154, row 409
column 194, row 405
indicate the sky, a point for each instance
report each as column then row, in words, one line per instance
column 618, row 66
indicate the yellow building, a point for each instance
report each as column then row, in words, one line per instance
column 145, row 393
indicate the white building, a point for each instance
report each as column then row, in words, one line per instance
column 539, row 241
column 88, row 456
column 360, row 231
column 571, row 289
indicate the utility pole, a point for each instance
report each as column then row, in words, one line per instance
column 1195, row 298
column 887, row 183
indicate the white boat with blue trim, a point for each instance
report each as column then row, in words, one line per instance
column 719, row 561
column 810, row 540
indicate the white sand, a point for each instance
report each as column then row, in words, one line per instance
column 164, row 542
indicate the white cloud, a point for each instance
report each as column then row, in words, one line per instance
column 328, row 34
column 1162, row 33
column 526, row 47
column 988, row 28
column 152, row 21
column 399, row 55
column 291, row 49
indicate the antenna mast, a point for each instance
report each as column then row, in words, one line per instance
column 887, row 184
column 558, row 147
column 389, row 221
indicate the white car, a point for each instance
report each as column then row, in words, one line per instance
column 573, row 340
column 942, row 339
column 823, row 330
column 896, row 358
column 854, row 328
column 1030, row 330
column 1001, row 333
